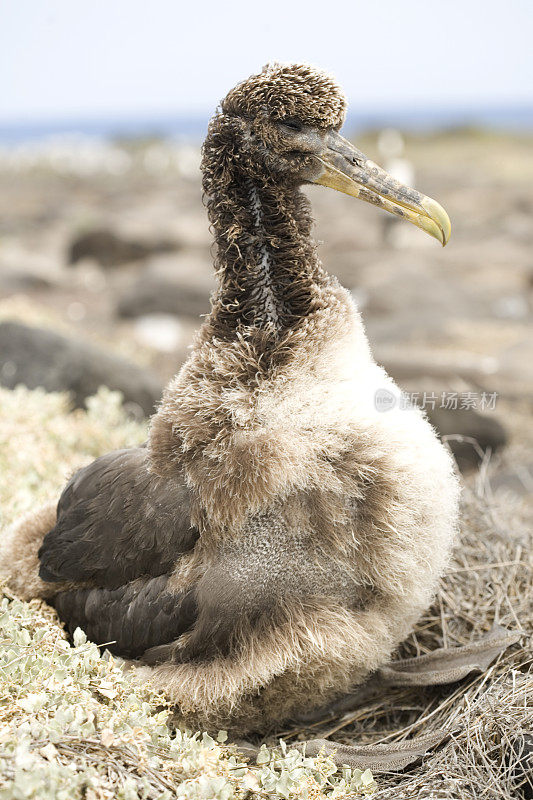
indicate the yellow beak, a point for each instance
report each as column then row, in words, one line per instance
column 347, row 170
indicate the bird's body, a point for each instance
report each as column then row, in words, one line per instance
column 279, row 534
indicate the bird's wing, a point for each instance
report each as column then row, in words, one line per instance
column 129, row 619
column 116, row 522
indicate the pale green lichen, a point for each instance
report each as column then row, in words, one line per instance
column 73, row 723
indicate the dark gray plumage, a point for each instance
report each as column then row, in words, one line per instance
column 130, row 619
column 120, row 530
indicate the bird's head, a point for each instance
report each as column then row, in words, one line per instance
column 284, row 124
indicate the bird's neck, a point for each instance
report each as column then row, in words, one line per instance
column 270, row 278
column 282, row 337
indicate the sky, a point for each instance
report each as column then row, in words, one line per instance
column 63, row 59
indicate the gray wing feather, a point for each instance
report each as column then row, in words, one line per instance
column 117, row 521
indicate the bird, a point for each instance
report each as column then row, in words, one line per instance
column 287, row 521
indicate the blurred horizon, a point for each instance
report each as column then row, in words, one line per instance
column 512, row 118
column 124, row 68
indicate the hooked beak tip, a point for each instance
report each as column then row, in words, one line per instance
column 439, row 216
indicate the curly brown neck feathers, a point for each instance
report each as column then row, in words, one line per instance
column 276, row 318
column 269, row 273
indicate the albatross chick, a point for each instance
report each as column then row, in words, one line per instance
column 280, row 532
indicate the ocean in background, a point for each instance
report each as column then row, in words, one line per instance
column 192, row 128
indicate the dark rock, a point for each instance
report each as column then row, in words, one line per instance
column 12, row 280
column 476, row 433
column 39, row 357
column 110, row 249
column 153, row 294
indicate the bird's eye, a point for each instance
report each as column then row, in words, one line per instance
column 292, row 125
